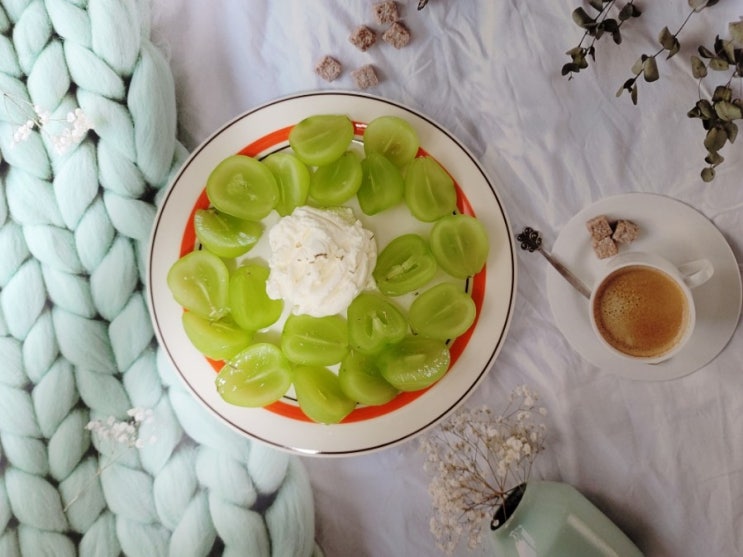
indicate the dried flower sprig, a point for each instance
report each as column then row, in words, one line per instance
column 476, row 458
column 647, row 65
column 74, row 129
column 124, row 434
column 594, row 28
column 719, row 112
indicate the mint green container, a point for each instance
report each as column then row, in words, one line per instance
column 554, row 519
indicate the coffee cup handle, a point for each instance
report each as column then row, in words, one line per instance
column 696, row 273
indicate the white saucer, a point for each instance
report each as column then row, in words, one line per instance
column 679, row 233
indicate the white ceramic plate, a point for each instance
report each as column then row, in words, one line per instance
column 263, row 131
column 679, row 233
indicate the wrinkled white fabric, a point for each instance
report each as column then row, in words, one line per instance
column 664, row 460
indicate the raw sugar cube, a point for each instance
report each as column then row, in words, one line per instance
column 625, row 231
column 397, row 35
column 365, row 77
column 604, row 248
column 328, row 68
column 385, row 12
column 363, row 37
column 599, row 228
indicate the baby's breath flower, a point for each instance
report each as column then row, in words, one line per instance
column 76, row 125
column 475, row 459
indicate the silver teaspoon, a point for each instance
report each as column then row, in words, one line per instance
column 531, row 240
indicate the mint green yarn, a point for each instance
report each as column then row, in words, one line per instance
column 76, row 340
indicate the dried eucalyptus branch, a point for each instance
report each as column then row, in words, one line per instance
column 595, row 27
column 646, row 65
column 718, row 113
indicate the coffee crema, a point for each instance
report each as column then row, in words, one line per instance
column 641, row 311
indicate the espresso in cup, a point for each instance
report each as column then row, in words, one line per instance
column 641, row 311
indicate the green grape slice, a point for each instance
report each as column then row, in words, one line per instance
column 322, row 138
column 338, row 181
column 250, row 306
column 429, row 190
column 414, row 363
column 315, row 341
column 460, row 245
column 382, row 185
column 225, row 235
column 218, row 340
column 361, row 380
column 293, row 179
column 320, row 396
column 392, row 137
column 255, row 377
column 374, row 322
column 404, row 265
column 243, row 187
column 444, row 311
column 199, row 282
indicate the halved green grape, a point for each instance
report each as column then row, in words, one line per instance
column 338, row 181
column 322, row 138
column 414, row 363
column 374, row 322
column 320, row 396
column 460, row 245
column 361, row 380
column 406, row 263
column 443, row 311
column 429, row 190
column 382, row 184
column 256, row 376
column 225, row 235
column 198, row 282
column 250, row 306
column 292, row 177
column 392, row 137
column 243, row 187
column 315, row 341
column 218, row 340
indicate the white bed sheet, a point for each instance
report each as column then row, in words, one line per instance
column 664, row 460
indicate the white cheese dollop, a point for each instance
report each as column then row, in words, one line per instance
column 320, row 260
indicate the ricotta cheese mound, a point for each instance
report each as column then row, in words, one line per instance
column 320, row 260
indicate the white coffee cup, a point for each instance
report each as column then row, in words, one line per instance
column 641, row 307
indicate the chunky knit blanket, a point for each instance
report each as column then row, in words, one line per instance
column 81, row 473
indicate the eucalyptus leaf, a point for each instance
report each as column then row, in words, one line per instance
column 698, row 68
column 674, row 49
column 714, row 158
column 633, row 95
column 731, row 128
column 694, row 113
column 666, row 38
column 697, row 4
column 705, row 52
column 727, row 111
column 581, row 18
column 637, row 66
column 597, row 5
column 625, row 13
column 708, row 174
column 729, row 49
column 715, row 139
column 650, row 70
column 735, row 28
column 722, row 93
column 570, row 67
column 705, row 108
column 711, row 3
column 636, row 12
column 719, row 64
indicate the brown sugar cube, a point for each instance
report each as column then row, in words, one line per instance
column 365, row 77
column 363, row 37
column 397, row 35
column 328, row 68
column 605, row 247
column 599, row 227
column 625, row 232
column 385, row 12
